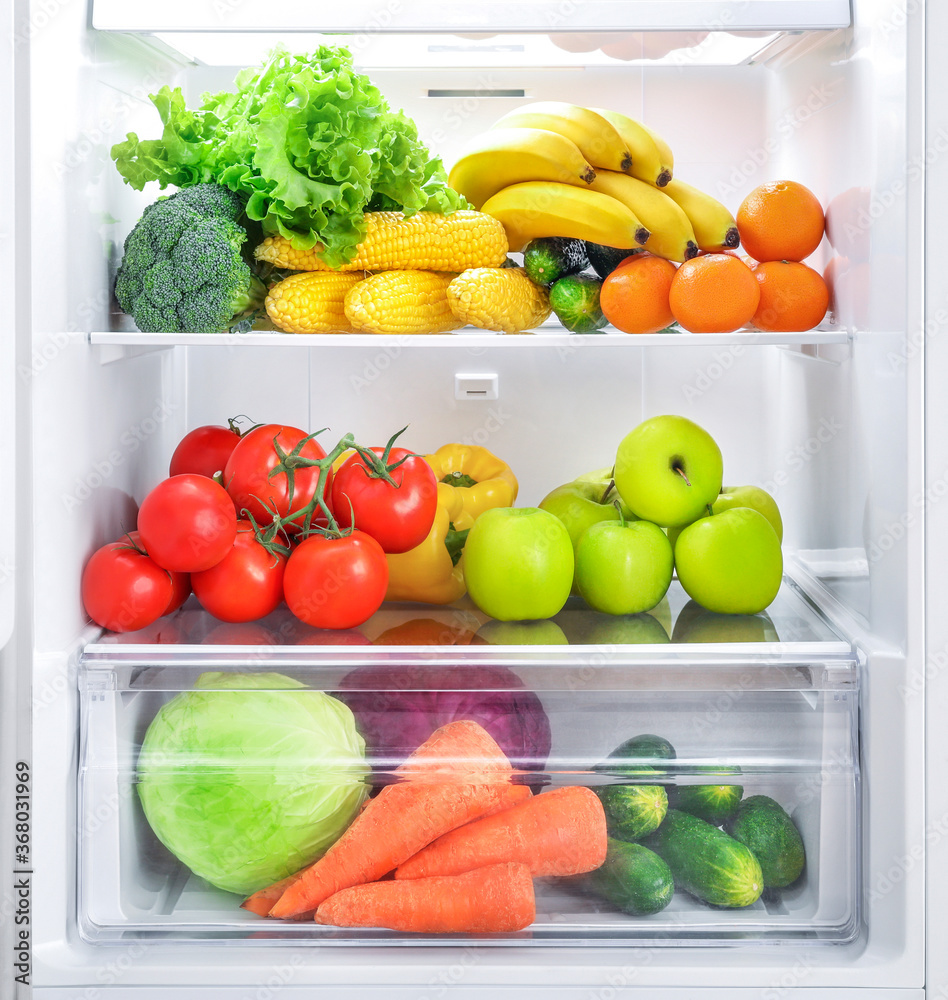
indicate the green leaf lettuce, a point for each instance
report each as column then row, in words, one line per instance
column 310, row 143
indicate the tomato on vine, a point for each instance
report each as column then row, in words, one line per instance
column 123, row 589
column 247, row 583
column 187, row 523
column 205, row 450
column 336, row 582
column 273, row 471
column 389, row 493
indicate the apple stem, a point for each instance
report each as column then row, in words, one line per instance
column 618, row 507
column 710, row 509
column 608, row 490
column 681, row 472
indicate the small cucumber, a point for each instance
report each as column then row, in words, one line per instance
column 633, row 811
column 634, row 879
column 706, row 862
column 712, row 803
column 605, row 260
column 575, row 301
column 551, row 257
column 647, row 747
column 764, row 826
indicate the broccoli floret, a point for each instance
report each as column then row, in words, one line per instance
column 183, row 269
column 213, row 199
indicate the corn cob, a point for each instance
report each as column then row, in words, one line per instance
column 311, row 302
column 498, row 298
column 398, row 302
column 425, row 241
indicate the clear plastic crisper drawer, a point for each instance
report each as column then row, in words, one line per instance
column 786, row 730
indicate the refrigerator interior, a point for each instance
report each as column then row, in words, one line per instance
column 826, row 716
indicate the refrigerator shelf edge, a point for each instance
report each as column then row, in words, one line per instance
column 793, row 630
column 522, row 15
column 466, row 339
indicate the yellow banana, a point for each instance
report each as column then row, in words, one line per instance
column 652, row 159
column 598, row 141
column 503, row 156
column 545, row 208
column 665, row 154
column 714, row 226
column 671, row 234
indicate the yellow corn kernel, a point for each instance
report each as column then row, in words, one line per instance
column 401, row 302
column 498, row 298
column 425, row 241
column 311, row 302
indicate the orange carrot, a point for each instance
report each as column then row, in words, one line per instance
column 488, row 900
column 261, row 902
column 562, row 832
column 457, row 775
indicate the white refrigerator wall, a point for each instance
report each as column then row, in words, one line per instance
column 830, row 430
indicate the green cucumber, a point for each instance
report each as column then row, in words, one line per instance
column 605, row 260
column 706, row 862
column 551, row 257
column 634, row 879
column 767, row 830
column 575, row 301
column 646, row 746
column 712, row 803
column 633, row 811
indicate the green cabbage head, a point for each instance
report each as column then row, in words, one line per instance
column 250, row 777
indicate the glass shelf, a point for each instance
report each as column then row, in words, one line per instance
column 548, row 336
column 490, row 15
column 678, row 631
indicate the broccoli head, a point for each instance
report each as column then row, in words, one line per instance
column 183, row 270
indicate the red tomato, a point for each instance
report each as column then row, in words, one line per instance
column 398, row 517
column 123, row 589
column 180, row 582
column 187, row 523
column 246, row 584
column 204, row 451
column 250, row 479
column 336, row 582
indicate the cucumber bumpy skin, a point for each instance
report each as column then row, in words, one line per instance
column 706, row 862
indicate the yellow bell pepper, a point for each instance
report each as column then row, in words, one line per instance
column 471, row 480
column 427, row 572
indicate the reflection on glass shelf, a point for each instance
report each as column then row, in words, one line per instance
column 790, row 620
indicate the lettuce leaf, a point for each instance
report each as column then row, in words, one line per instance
column 310, row 143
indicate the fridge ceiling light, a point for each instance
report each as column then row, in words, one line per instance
column 453, row 51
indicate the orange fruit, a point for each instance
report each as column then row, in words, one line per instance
column 782, row 220
column 792, row 296
column 717, row 293
column 634, row 297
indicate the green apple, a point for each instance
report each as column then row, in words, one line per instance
column 753, row 497
column 742, row 496
column 730, row 562
column 583, row 503
column 696, row 624
column 535, row 633
column 518, row 563
column 623, row 568
column 668, row 470
column 602, row 475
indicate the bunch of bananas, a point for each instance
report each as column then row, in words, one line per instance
column 556, row 169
